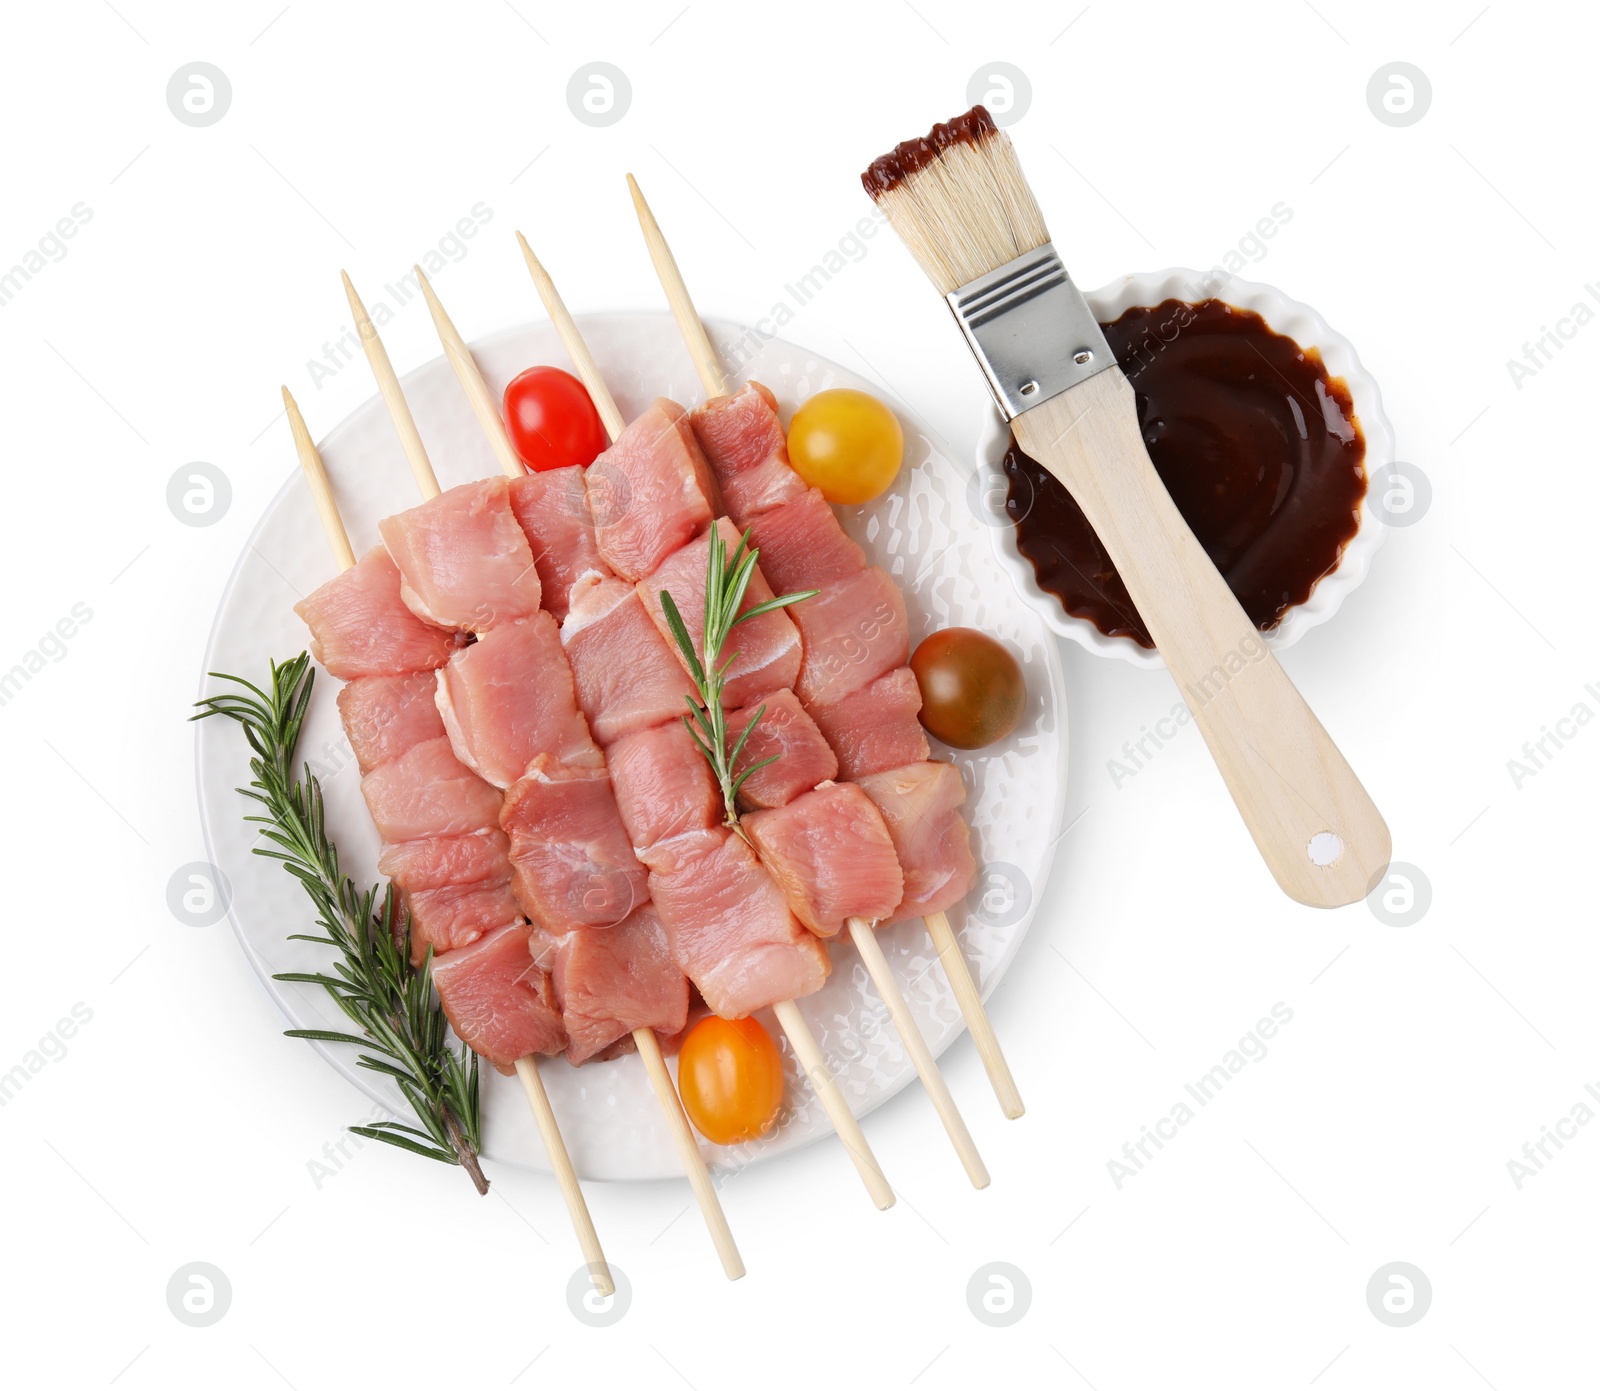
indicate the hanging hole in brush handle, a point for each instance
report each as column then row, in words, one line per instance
column 1319, row 832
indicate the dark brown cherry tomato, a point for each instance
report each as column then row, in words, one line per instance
column 972, row 688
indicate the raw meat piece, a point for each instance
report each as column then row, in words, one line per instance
column 428, row 791
column 804, row 758
column 932, row 842
column 553, row 513
column 803, row 546
column 728, row 926
column 383, row 716
column 360, row 626
column 456, row 915
column 626, row 677
column 498, row 1001
column 766, row 651
column 611, row 983
column 571, row 862
column 438, row 862
column 876, row 728
column 743, row 439
column 508, row 697
column 650, row 492
column 854, row 632
column 463, row 559
column 664, row 786
column 831, row 855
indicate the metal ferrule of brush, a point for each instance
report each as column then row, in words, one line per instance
column 1031, row 330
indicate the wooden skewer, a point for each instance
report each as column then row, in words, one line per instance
column 789, row 1017
column 972, row 1010
column 527, row 1069
column 572, row 340
column 694, row 1166
column 484, row 406
column 711, row 378
column 393, row 397
column 695, row 338
column 883, row 977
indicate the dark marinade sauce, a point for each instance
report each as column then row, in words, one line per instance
column 1257, row 444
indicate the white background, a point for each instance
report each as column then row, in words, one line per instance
column 179, row 1126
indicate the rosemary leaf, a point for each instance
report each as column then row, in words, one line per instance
column 371, row 978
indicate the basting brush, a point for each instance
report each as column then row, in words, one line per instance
column 958, row 199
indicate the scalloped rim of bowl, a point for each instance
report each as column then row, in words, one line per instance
column 1284, row 315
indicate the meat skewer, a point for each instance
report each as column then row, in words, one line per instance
column 735, row 871
column 644, row 1037
column 861, row 819
column 527, row 1071
column 761, row 484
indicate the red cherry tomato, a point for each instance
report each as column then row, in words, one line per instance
column 553, row 422
column 730, row 1078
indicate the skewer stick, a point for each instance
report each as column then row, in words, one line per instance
column 833, row 1102
column 566, row 1176
column 694, row 334
column 321, row 489
column 694, row 1165
column 527, row 1068
column 711, row 378
column 393, row 397
column 972, row 1010
column 789, row 1016
column 882, row 974
column 572, row 340
column 484, row 406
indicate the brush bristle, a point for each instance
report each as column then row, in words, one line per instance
column 958, row 199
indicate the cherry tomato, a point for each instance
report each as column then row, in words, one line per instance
column 730, row 1078
column 846, row 443
column 972, row 688
column 552, row 421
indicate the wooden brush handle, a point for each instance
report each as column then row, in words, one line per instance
column 1287, row 777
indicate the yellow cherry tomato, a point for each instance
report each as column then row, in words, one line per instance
column 731, row 1079
column 847, row 443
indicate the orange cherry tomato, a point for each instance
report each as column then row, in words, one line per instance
column 846, row 443
column 731, row 1079
column 972, row 687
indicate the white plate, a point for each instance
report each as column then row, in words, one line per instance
column 1282, row 314
column 922, row 532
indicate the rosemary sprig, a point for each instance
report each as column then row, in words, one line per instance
column 727, row 579
column 402, row 1027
